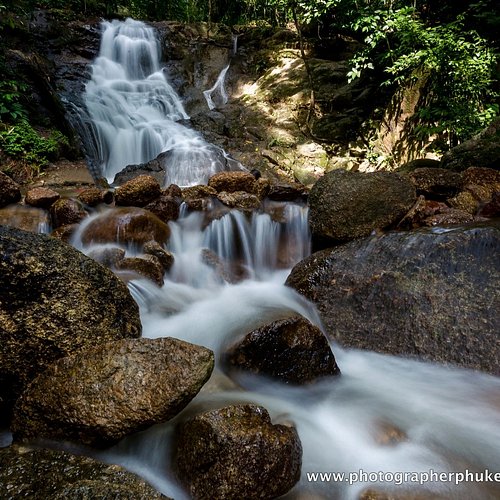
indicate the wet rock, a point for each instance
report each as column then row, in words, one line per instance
column 420, row 211
column 165, row 258
column 262, row 187
column 173, row 190
column 67, row 211
column 125, row 225
column 107, row 256
column 449, row 217
column 480, row 151
column 286, row 192
column 291, row 350
column 9, row 190
column 147, row 266
column 54, row 301
column 39, row 474
column 94, row 196
column 138, row 192
column 102, row 394
column 240, row 200
column 153, row 168
column 348, row 205
column 418, row 294
column 436, row 183
column 41, row 197
column 485, row 177
column 25, row 217
column 222, row 269
column 198, row 197
column 232, row 182
column 64, row 233
column 236, row 452
column 492, row 208
column 166, row 208
column 464, row 201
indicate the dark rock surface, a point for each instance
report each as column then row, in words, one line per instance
column 236, row 452
column 40, row 474
column 100, row 395
column 291, row 350
column 9, row 190
column 436, row 183
column 429, row 295
column 67, row 211
column 348, row 205
column 54, row 301
column 166, row 207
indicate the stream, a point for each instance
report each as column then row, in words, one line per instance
column 444, row 419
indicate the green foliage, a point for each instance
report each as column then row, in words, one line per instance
column 456, row 64
column 11, row 109
column 23, row 142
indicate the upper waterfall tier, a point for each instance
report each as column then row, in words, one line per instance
column 133, row 112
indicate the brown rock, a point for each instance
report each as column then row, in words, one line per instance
column 165, row 258
column 240, row 200
column 492, row 208
column 236, row 452
column 231, row 182
column 107, row 256
column 9, row 191
column 148, row 266
column 94, row 196
column 465, row 201
column 421, row 210
column 291, row 350
column 450, row 217
column 198, row 197
column 102, row 394
column 138, row 192
column 166, row 208
column 436, row 183
column 41, row 197
column 286, row 192
column 54, row 301
column 64, row 233
column 25, row 217
column 125, row 225
column 174, row 191
column 67, row 211
column 486, row 177
column 40, row 474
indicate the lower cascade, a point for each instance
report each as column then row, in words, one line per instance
column 386, row 424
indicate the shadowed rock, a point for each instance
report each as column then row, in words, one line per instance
column 423, row 294
column 9, row 190
column 236, row 452
column 291, row 350
column 40, row 474
column 54, row 301
column 100, row 395
column 348, row 205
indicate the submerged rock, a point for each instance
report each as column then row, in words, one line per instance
column 291, row 350
column 236, row 452
column 40, row 474
column 125, row 225
column 348, row 205
column 54, row 301
column 432, row 295
column 100, row 395
column 148, row 266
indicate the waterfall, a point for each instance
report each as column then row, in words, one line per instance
column 219, row 88
column 132, row 112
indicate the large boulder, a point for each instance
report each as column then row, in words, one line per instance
column 291, row 350
column 347, row 205
column 236, row 452
column 138, row 191
column 100, row 395
column 431, row 295
column 39, row 474
column 233, row 181
column 53, row 301
column 480, row 151
column 125, row 225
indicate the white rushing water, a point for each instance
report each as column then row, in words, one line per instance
column 133, row 113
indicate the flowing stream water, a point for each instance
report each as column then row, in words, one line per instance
column 448, row 419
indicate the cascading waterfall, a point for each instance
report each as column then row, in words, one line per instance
column 450, row 417
column 132, row 112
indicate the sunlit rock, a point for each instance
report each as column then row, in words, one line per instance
column 236, row 452
column 102, row 394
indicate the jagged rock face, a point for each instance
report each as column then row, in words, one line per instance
column 348, row 205
column 54, row 301
column 424, row 294
column 40, row 474
column 100, row 395
column 291, row 350
column 236, row 452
